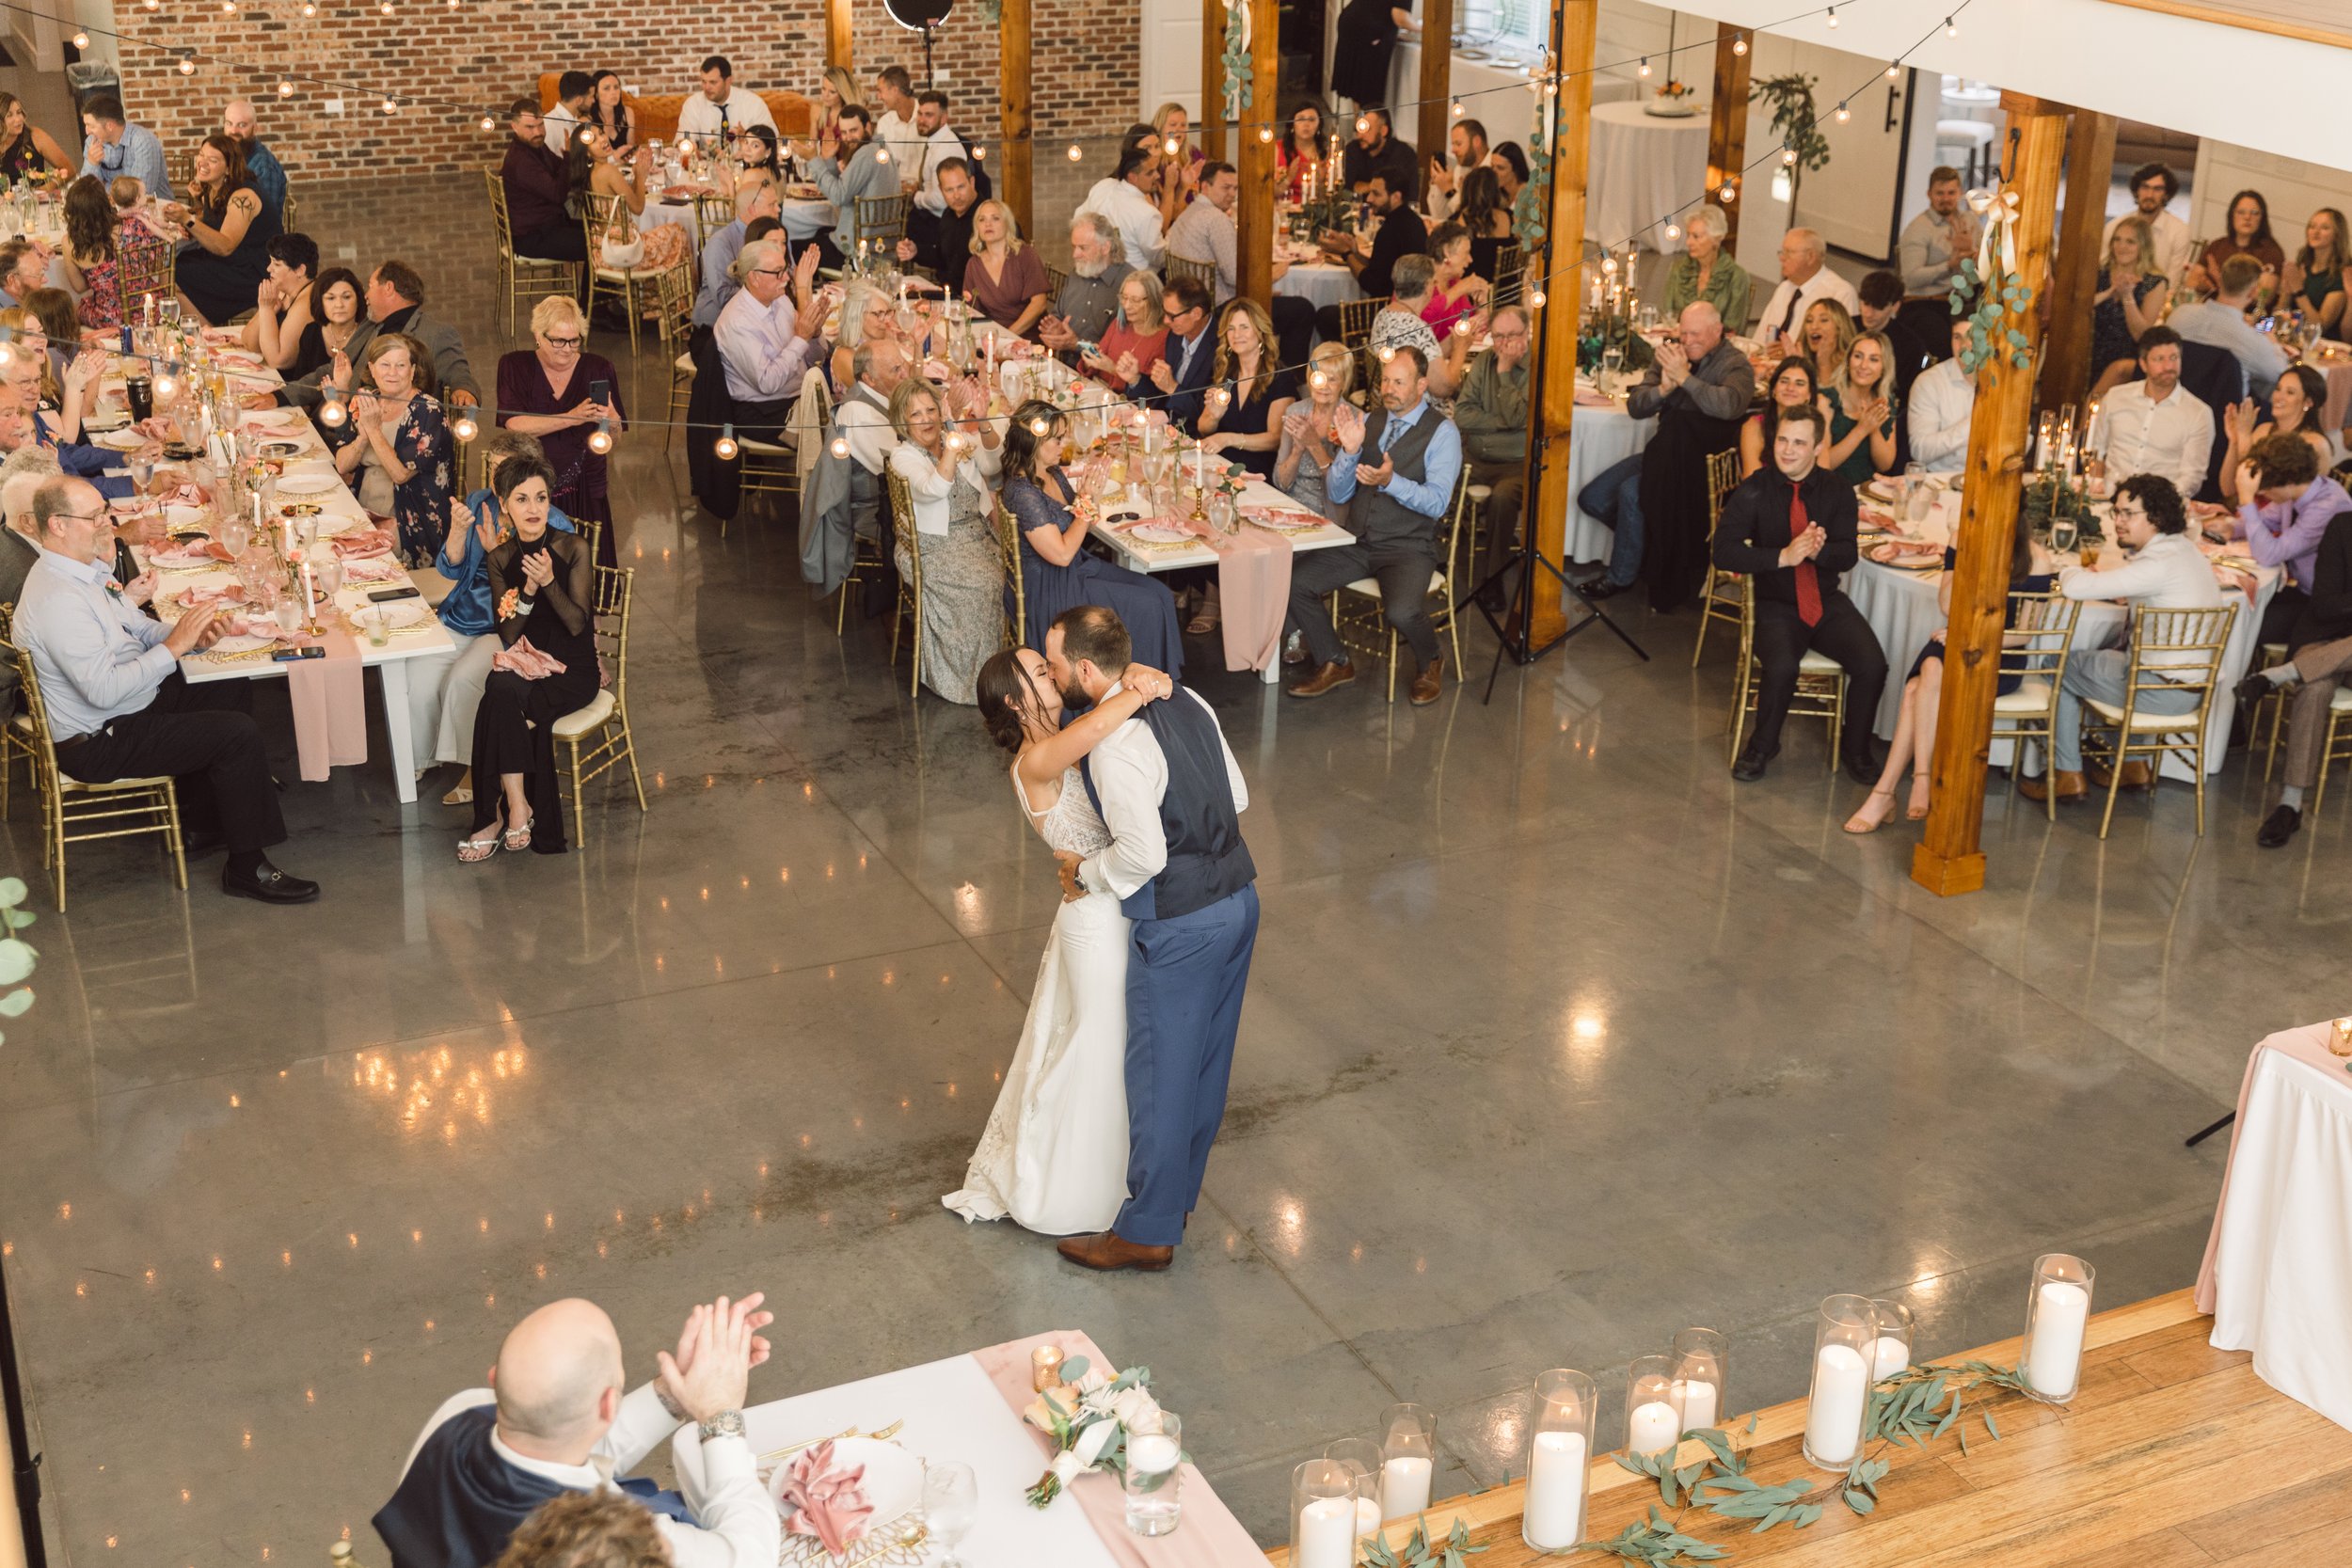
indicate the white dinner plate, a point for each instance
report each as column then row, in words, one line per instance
column 397, row 613
column 274, row 419
column 307, row 484
column 244, row 642
column 125, row 439
column 893, row 1486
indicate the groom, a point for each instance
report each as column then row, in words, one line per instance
column 1166, row 785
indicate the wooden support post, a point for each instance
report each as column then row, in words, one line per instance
column 1016, row 172
column 837, row 36
column 1210, row 122
column 1437, row 82
column 1949, row 861
column 2067, row 372
column 1560, row 273
column 1727, row 126
column 1254, row 221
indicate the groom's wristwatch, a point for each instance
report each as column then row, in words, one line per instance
column 727, row 1423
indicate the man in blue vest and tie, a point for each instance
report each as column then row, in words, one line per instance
column 555, row 1421
column 1168, row 787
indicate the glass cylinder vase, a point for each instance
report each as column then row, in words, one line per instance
column 1408, row 1459
column 1701, row 1358
column 1362, row 1456
column 1322, row 1515
column 1651, row 1423
column 1559, row 1449
column 1891, row 1352
column 1844, row 1332
column 2058, row 1314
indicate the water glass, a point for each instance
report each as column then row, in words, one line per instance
column 1155, row 1478
column 330, row 574
column 1611, row 360
column 2061, row 534
column 951, row 1504
column 377, row 625
column 289, row 616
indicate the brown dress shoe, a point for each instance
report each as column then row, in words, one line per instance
column 1110, row 1250
column 2070, row 787
column 2136, row 776
column 1338, row 672
column 1429, row 682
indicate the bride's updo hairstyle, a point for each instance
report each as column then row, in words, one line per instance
column 1005, row 695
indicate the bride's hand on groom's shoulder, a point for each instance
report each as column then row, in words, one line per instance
column 1147, row 683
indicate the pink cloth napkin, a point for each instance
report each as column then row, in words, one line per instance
column 2307, row 1044
column 527, row 661
column 1210, row 1536
column 374, row 569
column 363, row 542
column 331, row 712
column 1253, row 590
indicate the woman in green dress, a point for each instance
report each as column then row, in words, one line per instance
column 1706, row 270
column 1863, row 409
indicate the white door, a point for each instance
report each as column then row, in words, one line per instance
column 1171, row 56
column 1853, row 200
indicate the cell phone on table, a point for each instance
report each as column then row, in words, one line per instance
column 287, row 655
column 384, row 595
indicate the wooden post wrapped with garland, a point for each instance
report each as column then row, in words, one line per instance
column 1556, row 272
column 1254, row 223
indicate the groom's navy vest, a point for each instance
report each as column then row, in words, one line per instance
column 460, row 1502
column 1206, row 859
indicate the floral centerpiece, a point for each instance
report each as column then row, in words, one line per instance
column 1672, row 100
column 1089, row 1416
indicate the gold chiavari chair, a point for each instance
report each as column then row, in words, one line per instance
column 16, row 739
column 1054, row 278
column 2273, row 703
column 1361, row 619
column 1722, row 598
column 878, row 220
column 595, row 739
column 674, row 306
column 72, row 812
column 1356, row 317
column 519, row 277
column 2173, row 650
column 288, row 215
column 1016, row 592
column 1820, row 683
column 909, row 576
column 1185, row 266
column 712, row 213
column 634, row 288
column 2035, row 648
column 1510, row 262
column 2337, row 745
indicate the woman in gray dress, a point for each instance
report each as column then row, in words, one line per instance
column 947, row 457
column 1308, row 439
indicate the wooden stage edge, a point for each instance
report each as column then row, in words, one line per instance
column 2172, row 1453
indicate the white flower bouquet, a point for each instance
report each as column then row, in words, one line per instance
column 1090, row 1415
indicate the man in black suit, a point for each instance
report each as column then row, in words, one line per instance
column 1790, row 528
column 1374, row 260
column 1182, row 375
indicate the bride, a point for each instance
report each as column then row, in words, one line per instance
column 1053, row 1156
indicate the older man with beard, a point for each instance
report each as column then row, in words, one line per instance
column 1089, row 298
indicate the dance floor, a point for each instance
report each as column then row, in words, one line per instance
column 1558, row 1042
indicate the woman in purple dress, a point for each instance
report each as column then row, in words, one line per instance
column 566, row 398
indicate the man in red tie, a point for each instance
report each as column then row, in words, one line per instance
column 1790, row 529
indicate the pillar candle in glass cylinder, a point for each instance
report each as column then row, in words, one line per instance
column 1890, row 1352
column 2058, row 1313
column 1408, row 1456
column 1651, row 1425
column 1322, row 1515
column 1361, row 1455
column 1560, row 1441
column 1844, row 1333
column 1701, row 1358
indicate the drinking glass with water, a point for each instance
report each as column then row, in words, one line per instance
column 1155, row 1478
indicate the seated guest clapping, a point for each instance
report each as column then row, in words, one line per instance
column 2131, row 299
column 394, row 296
column 2290, row 506
column 766, row 340
column 1396, row 507
column 119, row 707
column 1311, row 431
column 1181, row 380
column 848, row 170
column 1864, row 408
column 19, row 390
column 555, row 1421
column 1792, row 387
column 2294, row 405
column 2319, row 662
column 542, row 590
column 1241, row 418
column 1088, row 300
column 1057, row 572
column 1942, row 401
column 394, row 451
column 1401, row 322
column 445, row 687
column 2164, row 570
column 1492, row 416
column 869, row 315
column 754, row 200
column 947, row 469
column 1136, row 340
column 2154, row 425
column 1790, row 529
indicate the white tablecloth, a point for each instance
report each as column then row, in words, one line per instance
column 1319, row 283
column 1598, row 439
column 1646, row 167
column 2278, row 1272
column 805, row 220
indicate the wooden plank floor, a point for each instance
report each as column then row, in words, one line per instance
column 2172, row 1454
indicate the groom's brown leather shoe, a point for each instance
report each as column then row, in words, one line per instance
column 1110, row 1250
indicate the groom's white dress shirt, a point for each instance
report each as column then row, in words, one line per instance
column 741, row 1528
column 1130, row 773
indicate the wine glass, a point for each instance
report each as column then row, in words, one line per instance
column 235, row 534
column 951, row 1504
column 1611, row 360
column 2061, row 535
column 330, row 575
column 287, row 611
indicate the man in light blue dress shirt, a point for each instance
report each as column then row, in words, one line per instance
column 117, row 147
column 769, row 335
column 119, row 707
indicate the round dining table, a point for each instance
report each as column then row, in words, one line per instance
column 1644, row 167
column 1603, row 434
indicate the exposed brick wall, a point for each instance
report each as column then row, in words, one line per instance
column 1085, row 73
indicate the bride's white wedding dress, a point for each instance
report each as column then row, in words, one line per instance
column 1053, row 1156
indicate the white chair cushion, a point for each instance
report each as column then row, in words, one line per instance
column 68, row 785
column 2031, row 699
column 683, row 364
column 2342, row 700
column 626, row 275
column 1370, row 587
column 1815, row 663
column 765, row 449
column 2146, row 723
column 582, row 720
column 21, row 723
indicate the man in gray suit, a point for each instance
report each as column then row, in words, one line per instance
column 395, row 300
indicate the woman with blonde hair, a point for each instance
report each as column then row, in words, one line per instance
column 1310, row 438
column 1136, row 338
column 2314, row 280
column 1005, row 280
column 1825, row 335
column 1863, row 410
column 1173, row 125
column 561, row 394
column 947, row 470
column 836, row 89
column 2130, row 301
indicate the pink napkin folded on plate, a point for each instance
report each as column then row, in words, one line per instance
column 527, row 661
column 363, row 542
column 330, row 711
column 376, row 568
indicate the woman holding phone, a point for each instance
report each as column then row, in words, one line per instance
column 569, row 400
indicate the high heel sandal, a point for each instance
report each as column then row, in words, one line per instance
column 1872, row 827
column 1914, row 812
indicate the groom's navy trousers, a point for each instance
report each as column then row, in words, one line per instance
column 1184, row 982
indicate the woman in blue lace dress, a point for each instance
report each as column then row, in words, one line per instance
column 1056, row 571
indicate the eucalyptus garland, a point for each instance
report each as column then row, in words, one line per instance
column 1238, row 75
column 1529, row 217
column 1998, row 295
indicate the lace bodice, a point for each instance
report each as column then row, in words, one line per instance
column 1071, row 822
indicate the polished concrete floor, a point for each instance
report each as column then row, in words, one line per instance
column 1558, row 1042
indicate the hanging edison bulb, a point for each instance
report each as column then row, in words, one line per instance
column 1363, row 123
column 840, row 446
column 1535, row 298
column 1644, row 69
column 1075, row 152
column 600, row 439
column 285, row 89
column 1843, row 113
column 489, row 125
column 724, row 446
column 188, row 65
column 391, row 105
column 465, row 427
column 1739, row 44
column 81, row 40
column 1266, row 132
column 332, row 412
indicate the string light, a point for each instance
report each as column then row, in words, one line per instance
column 1739, row 44
column 332, row 412
column 386, row 8
column 188, row 65
column 1894, row 70
column 1169, row 146
column 1643, row 70
column 841, row 445
column 7, row 355
column 1951, row 28
column 1673, row 231
column 1844, row 114
column 1457, row 108
column 1535, row 298
column 600, row 439
column 1266, row 132
column 724, row 446
column 153, row 4
column 979, row 153
column 285, row 89
column 1728, row 194
column 81, row 40
column 168, row 382
column 465, row 427
column 1833, row 16
column 1788, row 157
column 228, row 8
column 391, row 105
column 489, row 125
column 882, row 154
column 310, row 7
column 1075, row 152
column 1363, row 123
column 1038, row 426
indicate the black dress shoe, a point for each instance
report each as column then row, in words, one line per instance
column 196, row 846
column 2279, row 827
column 1865, row 769
column 1604, row 589
column 1750, row 765
column 268, row 884
column 2253, row 688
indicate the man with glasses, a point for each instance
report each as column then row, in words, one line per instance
column 1491, row 413
column 119, row 707
column 755, row 197
column 1181, row 376
column 2153, row 188
column 770, row 335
